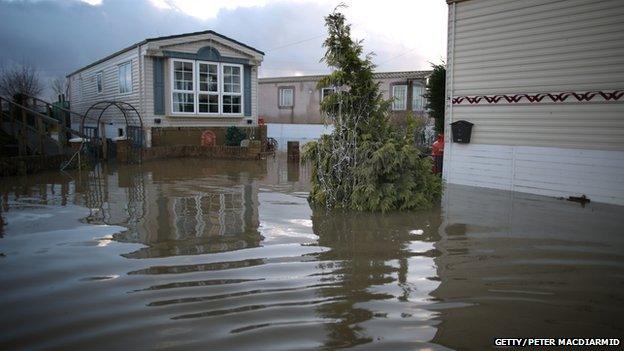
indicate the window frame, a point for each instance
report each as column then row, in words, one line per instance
column 280, row 99
column 99, row 83
column 394, row 98
column 241, row 94
column 208, row 93
column 123, row 64
column 178, row 91
column 421, row 97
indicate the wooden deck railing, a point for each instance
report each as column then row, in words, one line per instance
column 31, row 124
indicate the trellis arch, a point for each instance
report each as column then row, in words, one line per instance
column 131, row 115
column 132, row 118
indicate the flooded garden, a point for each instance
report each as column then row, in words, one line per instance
column 228, row 255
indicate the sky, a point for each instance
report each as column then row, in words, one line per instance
column 59, row 36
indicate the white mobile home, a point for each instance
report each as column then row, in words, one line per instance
column 201, row 79
column 543, row 83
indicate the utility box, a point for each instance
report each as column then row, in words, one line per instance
column 461, row 131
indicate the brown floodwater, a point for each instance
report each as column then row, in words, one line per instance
column 227, row 255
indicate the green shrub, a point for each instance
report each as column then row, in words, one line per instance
column 234, row 136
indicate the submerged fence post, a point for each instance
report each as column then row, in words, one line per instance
column 292, row 150
column 41, row 134
column 22, row 138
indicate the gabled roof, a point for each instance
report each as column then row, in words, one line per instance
column 376, row 75
column 148, row 40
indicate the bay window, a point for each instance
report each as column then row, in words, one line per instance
column 206, row 88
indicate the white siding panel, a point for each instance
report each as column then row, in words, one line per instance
column 582, row 125
column 193, row 43
column 538, row 46
column 80, row 102
column 540, row 170
column 193, row 47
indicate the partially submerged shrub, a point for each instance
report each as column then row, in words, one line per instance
column 234, row 136
column 366, row 163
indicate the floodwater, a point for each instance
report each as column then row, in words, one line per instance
column 227, row 255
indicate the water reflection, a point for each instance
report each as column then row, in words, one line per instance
column 519, row 265
column 229, row 254
column 181, row 207
column 383, row 274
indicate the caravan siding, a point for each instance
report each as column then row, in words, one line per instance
column 506, row 49
column 83, row 90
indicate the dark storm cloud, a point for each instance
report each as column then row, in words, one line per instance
column 60, row 36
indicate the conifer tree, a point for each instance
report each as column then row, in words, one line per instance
column 366, row 163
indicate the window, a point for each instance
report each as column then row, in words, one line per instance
column 98, row 83
column 286, row 97
column 208, row 95
column 326, row 92
column 203, row 88
column 232, row 93
column 399, row 95
column 125, row 77
column 183, row 91
column 418, row 101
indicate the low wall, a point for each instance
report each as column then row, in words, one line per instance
column 21, row 165
column 169, row 136
column 216, row 152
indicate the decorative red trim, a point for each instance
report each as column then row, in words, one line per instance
column 538, row 97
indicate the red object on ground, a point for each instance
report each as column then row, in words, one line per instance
column 208, row 138
column 437, row 149
column 437, row 152
column 261, row 121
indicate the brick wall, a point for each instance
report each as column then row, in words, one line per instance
column 169, row 136
column 216, row 152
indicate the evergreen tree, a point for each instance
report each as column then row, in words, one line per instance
column 435, row 96
column 366, row 163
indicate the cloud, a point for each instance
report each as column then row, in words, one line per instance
column 61, row 36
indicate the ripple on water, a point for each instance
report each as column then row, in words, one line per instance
column 189, row 254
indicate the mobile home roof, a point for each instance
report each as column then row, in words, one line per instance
column 133, row 46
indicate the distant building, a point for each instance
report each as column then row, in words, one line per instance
column 291, row 105
column 202, row 79
column 543, row 83
column 296, row 100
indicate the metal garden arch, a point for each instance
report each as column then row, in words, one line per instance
column 132, row 118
